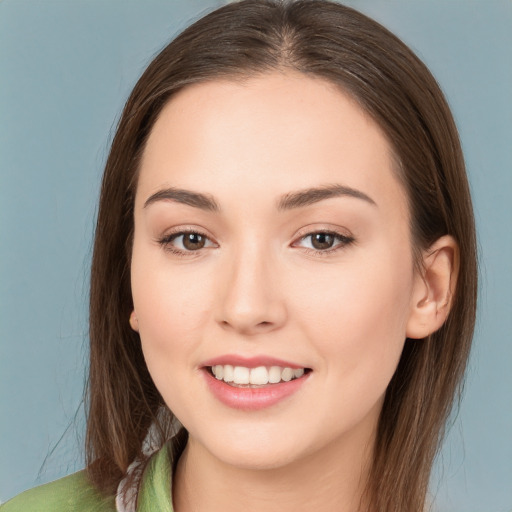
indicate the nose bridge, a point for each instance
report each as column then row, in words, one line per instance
column 252, row 301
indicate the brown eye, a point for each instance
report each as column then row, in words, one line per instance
column 322, row 241
column 193, row 241
column 186, row 242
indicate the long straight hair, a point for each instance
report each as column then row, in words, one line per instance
column 321, row 39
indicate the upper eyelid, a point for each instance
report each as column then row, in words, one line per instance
column 340, row 236
column 325, row 231
column 183, row 231
column 309, row 230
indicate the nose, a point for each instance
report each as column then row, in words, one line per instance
column 251, row 300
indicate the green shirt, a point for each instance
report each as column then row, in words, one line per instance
column 74, row 493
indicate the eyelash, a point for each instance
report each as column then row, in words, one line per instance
column 166, row 241
column 343, row 241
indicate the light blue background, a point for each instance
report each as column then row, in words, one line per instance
column 66, row 68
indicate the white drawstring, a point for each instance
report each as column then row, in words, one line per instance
column 128, row 488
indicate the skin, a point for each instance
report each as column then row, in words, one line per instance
column 259, row 287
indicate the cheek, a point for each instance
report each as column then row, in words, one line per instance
column 357, row 318
column 172, row 307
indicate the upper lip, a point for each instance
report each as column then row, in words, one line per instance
column 250, row 362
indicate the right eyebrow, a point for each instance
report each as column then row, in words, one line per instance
column 194, row 199
column 302, row 198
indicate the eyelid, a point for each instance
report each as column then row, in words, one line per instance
column 178, row 230
column 344, row 239
column 311, row 229
column 166, row 240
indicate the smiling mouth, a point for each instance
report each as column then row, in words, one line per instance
column 243, row 377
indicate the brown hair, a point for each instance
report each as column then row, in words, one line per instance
column 322, row 39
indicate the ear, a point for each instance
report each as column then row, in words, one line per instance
column 434, row 288
column 134, row 322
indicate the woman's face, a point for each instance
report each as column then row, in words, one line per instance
column 271, row 243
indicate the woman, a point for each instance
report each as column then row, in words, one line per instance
column 285, row 259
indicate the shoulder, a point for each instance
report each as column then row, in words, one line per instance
column 73, row 493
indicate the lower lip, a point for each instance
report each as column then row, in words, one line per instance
column 252, row 399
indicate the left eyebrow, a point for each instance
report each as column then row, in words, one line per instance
column 178, row 195
column 310, row 196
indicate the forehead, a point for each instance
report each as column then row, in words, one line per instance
column 272, row 133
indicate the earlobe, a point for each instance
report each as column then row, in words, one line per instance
column 134, row 322
column 434, row 288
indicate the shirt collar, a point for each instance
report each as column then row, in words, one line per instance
column 155, row 492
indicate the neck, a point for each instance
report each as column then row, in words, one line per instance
column 333, row 478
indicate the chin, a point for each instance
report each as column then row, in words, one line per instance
column 258, row 458
column 256, row 448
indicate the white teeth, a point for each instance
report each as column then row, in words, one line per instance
column 219, row 371
column 260, row 376
column 287, row 374
column 299, row 372
column 241, row 375
column 274, row 375
column 228, row 373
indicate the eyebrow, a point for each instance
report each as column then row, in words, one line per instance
column 195, row 199
column 292, row 200
column 309, row 196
